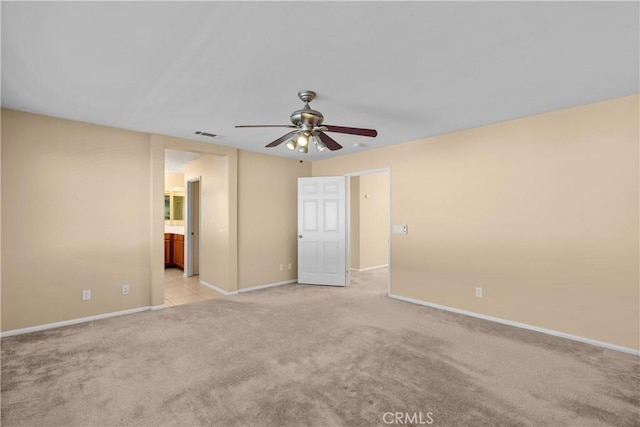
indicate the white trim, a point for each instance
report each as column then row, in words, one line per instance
column 217, row 289
column 157, row 307
column 188, row 243
column 75, row 321
column 270, row 285
column 521, row 325
column 369, row 172
column 370, row 268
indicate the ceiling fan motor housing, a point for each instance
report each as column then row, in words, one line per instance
column 306, row 118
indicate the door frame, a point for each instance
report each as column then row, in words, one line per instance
column 189, row 224
column 386, row 171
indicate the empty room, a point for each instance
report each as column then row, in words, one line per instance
column 320, row 213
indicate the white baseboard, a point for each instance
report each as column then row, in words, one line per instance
column 253, row 288
column 370, row 268
column 157, row 307
column 76, row 321
column 270, row 285
column 521, row 325
column 217, row 289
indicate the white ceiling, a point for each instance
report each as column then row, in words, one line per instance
column 175, row 160
column 408, row 69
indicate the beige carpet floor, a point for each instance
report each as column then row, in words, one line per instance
column 306, row 355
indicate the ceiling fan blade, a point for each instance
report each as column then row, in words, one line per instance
column 281, row 139
column 328, row 141
column 353, row 131
column 265, row 126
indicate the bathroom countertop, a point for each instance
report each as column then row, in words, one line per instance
column 174, row 229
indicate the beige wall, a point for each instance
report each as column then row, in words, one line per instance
column 83, row 208
column 86, row 212
column 369, row 221
column 374, row 220
column 173, row 180
column 267, row 198
column 213, row 172
column 75, row 215
column 354, row 222
column 1, row 193
column 540, row 212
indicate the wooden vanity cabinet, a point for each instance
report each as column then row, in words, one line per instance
column 174, row 251
column 168, row 258
column 178, row 251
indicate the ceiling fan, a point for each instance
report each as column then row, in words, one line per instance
column 310, row 130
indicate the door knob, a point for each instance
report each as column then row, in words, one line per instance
column 299, row 236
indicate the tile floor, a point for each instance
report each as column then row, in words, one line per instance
column 180, row 290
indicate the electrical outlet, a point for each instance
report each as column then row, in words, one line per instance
column 290, row 266
column 479, row 292
column 86, row 295
column 281, row 267
column 125, row 289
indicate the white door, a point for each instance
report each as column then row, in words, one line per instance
column 322, row 231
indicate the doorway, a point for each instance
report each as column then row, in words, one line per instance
column 218, row 165
column 369, row 219
column 183, row 240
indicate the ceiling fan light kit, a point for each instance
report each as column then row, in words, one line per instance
column 310, row 129
column 302, row 140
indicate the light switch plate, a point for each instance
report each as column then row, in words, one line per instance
column 400, row 229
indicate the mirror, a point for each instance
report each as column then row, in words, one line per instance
column 174, row 205
column 178, row 207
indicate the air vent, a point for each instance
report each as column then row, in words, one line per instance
column 210, row 135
